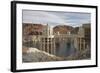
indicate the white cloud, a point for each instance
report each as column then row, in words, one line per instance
column 55, row 18
column 41, row 17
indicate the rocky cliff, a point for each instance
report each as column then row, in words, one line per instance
column 62, row 29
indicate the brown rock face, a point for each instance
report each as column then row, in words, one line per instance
column 62, row 29
column 32, row 29
column 75, row 30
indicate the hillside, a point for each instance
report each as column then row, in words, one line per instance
column 32, row 29
column 35, row 55
column 62, row 29
column 36, row 29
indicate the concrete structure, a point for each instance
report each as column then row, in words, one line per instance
column 60, row 44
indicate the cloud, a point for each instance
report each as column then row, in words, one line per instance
column 56, row 18
column 41, row 17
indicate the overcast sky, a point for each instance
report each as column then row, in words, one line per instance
column 56, row 18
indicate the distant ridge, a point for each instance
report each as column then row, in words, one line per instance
column 62, row 29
